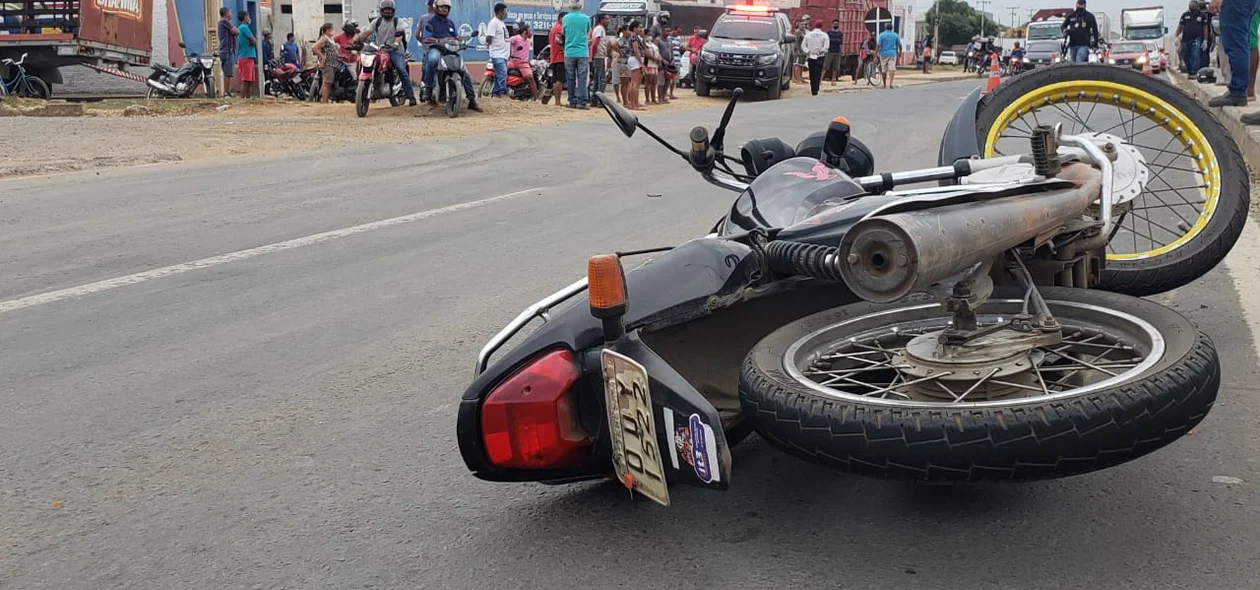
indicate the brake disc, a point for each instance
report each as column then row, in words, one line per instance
column 1129, row 170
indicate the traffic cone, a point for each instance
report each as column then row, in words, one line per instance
column 994, row 77
column 1146, row 64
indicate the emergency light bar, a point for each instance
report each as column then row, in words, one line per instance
column 751, row 9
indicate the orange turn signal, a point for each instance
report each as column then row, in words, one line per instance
column 605, row 282
column 843, row 120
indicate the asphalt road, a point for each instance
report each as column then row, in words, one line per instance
column 254, row 415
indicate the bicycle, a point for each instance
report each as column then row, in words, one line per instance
column 23, row 84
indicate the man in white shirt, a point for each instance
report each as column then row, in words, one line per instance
column 599, row 54
column 500, row 50
column 815, row 46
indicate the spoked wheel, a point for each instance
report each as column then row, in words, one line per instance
column 872, row 73
column 1196, row 196
column 860, row 388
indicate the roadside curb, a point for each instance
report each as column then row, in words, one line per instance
column 1246, row 136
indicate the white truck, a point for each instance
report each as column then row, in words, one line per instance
column 1144, row 24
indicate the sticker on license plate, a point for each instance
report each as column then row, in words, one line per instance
column 636, row 454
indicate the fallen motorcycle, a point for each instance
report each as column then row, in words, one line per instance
column 972, row 331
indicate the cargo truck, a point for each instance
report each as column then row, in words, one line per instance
column 53, row 34
column 1144, row 24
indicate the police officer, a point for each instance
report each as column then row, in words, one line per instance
column 1082, row 32
column 1193, row 30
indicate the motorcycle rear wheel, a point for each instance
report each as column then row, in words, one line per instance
column 832, row 388
column 1200, row 237
column 361, row 99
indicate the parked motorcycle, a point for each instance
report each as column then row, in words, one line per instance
column 343, row 87
column 181, row 82
column 449, row 78
column 985, row 329
column 377, row 79
column 286, row 79
column 517, row 85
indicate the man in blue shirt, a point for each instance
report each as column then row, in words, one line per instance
column 889, row 50
column 246, row 53
column 440, row 28
column 577, row 55
column 290, row 51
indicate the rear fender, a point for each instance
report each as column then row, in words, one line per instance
column 689, row 430
column 686, row 283
column 959, row 140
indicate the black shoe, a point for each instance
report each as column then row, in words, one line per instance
column 1228, row 100
column 475, row 107
column 411, row 102
column 1250, row 118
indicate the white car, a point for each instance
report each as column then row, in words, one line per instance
column 948, row 57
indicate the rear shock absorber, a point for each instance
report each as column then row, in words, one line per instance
column 799, row 258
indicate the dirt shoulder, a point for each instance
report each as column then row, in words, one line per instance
column 47, row 138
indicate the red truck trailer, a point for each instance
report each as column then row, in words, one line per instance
column 61, row 33
column 858, row 18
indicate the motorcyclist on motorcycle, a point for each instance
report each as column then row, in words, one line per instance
column 438, row 29
column 391, row 35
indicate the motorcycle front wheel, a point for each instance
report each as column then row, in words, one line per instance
column 840, row 388
column 361, row 99
column 452, row 97
column 1193, row 206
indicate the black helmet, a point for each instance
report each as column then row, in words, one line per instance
column 351, row 27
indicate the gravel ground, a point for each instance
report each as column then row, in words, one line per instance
column 127, row 133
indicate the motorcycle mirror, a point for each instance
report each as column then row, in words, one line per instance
column 625, row 120
column 720, row 133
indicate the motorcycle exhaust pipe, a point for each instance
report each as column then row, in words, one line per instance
column 160, row 86
column 885, row 258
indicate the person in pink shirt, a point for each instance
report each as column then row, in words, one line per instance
column 519, row 57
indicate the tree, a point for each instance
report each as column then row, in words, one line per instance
column 960, row 22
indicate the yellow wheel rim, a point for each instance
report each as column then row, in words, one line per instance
column 1154, row 110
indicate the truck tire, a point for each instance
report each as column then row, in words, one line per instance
column 702, row 87
column 1005, row 439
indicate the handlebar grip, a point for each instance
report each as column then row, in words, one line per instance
column 699, row 140
column 702, row 156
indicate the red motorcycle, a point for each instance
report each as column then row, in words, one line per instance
column 286, row 78
column 377, row 79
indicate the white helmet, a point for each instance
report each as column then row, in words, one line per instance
column 440, row 3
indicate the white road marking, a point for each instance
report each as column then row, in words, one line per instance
column 1226, row 479
column 1243, row 263
column 166, row 271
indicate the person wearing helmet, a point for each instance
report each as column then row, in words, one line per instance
column 438, row 29
column 390, row 34
column 344, row 40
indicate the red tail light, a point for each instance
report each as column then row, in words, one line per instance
column 529, row 422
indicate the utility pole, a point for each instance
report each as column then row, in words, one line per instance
column 983, row 3
column 1014, row 15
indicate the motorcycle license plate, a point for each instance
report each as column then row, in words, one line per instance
column 636, row 454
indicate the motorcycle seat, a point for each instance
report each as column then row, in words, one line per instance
column 165, row 68
column 514, row 72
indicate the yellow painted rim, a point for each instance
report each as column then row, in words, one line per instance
column 1154, row 109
